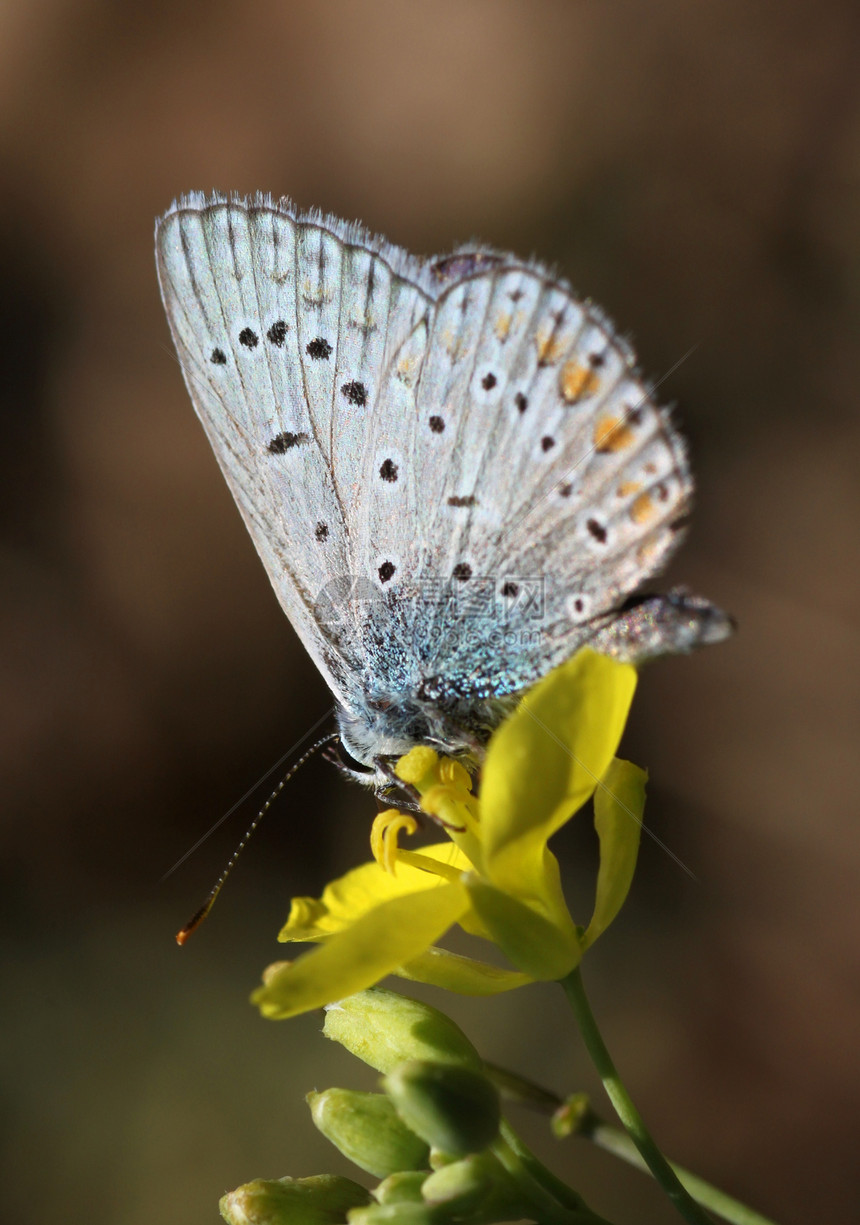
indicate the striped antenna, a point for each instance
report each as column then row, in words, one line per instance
column 199, row 915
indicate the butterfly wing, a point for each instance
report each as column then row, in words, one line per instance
column 283, row 324
column 451, row 470
column 540, row 482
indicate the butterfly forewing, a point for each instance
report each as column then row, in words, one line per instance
column 272, row 318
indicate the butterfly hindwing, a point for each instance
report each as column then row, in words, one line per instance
column 542, row 483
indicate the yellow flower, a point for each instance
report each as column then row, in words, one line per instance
column 494, row 875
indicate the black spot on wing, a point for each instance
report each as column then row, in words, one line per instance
column 386, row 571
column 355, row 392
column 462, row 501
column 597, row 530
column 437, row 424
column 286, row 441
column 489, row 381
column 388, row 470
column 321, row 531
column 462, row 571
column 318, row 348
column 277, row 333
column 521, row 402
column 218, row 358
column 248, row 338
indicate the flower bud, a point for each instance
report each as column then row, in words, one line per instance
column 477, row 1181
column 385, row 1029
column 572, row 1116
column 455, row 1109
column 402, row 1188
column 324, row 1200
column 367, row 1129
column 404, row 1213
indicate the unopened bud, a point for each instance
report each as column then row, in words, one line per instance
column 404, row 1213
column 367, row 1129
column 402, row 1188
column 385, row 1029
column 454, row 1109
column 476, row 1181
column 574, row 1115
column 324, row 1200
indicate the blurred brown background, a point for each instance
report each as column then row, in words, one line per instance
column 693, row 167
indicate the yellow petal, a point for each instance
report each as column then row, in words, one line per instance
column 546, row 759
column 392, row 933
column 358, row 892
column 464, row 975
column 534, row 944
column 618, row 806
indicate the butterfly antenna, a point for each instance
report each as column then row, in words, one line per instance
column 199, row 915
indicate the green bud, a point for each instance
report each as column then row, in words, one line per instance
column 324, row 1200
column 438, row 1159
column 572, row 1116
column 385, row 1029
column 463, row 1183
column 368, row 1130
column 401, row 1188
column 399, row 1214
column 454, row 1109
column 477, row 1182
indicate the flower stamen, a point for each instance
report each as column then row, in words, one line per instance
column 384, row 834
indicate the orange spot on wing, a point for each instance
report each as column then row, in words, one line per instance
column 642, row 509
column 502, row 327
column 577, row 381
column 549, row 347
column 611, row 434
column 627, row 487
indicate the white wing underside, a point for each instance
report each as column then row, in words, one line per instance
column 406, row 436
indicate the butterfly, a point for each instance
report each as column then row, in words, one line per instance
column 451, row 467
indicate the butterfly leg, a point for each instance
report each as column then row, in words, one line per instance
column 395, row 784
column 413, row 801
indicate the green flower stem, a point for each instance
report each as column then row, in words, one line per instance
column 630, row 1117
column 554, row 1202
column 517, row 1089
column 590, row 1126
column 615, row 1141
column 538, row 1172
